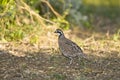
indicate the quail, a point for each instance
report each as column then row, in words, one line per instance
column 67, row 47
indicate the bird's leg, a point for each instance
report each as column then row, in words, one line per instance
column 71, row 60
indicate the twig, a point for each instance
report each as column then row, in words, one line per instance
column 49, row 5
column 24, row 6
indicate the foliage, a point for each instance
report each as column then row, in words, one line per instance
column 108, row 8
column 16, row 15
column 70, row 10
column 7, row 17
column 14, row 35
column 74, row 15
column 16, row 21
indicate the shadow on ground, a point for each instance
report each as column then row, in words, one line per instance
column 45, row 66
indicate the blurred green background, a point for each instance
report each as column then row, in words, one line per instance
column 18, row 19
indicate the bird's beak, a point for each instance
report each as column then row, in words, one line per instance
column 55, row 32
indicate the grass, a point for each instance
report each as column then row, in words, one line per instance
column 33, row 62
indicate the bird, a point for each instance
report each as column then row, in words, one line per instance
column 67, row 47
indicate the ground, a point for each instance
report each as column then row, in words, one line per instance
column 26, row 62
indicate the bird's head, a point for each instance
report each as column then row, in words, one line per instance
column 59, row 32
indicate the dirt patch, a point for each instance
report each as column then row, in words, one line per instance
column 101, row 65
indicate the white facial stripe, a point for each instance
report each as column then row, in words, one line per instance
column 58, row 34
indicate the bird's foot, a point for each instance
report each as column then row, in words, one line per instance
column 71, row 61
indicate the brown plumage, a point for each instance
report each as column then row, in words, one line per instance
column 67, row 47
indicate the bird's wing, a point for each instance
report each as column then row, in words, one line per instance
column 74, row 49
column 73, row 46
